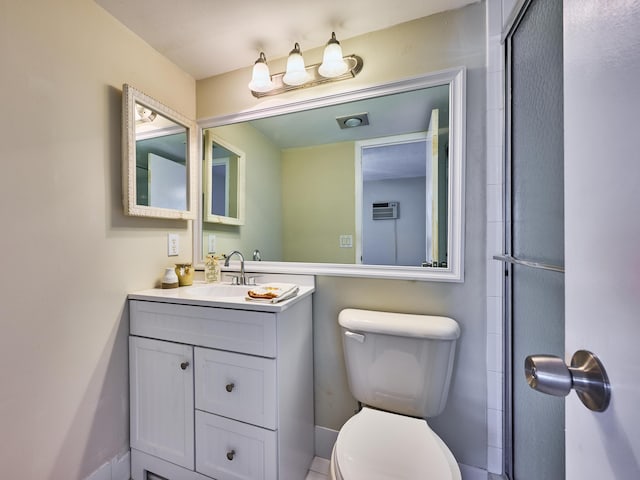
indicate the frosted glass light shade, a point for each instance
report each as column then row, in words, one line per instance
column 296, row 73
column 261, row 78
column 333, row 65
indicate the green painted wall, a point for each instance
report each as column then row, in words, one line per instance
column 318, row 203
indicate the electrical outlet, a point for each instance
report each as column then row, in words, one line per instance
column 346, row 241
column 212, row 243
column 173, row 245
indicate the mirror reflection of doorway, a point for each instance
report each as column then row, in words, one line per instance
column 168, row 188
column 220, row 187
column 394, row 203
column 402, row 201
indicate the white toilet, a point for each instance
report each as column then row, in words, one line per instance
column 399, row 367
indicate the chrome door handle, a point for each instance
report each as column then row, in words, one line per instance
column 586, row 375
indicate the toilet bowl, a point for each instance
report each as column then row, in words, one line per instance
column 377, row 445
column 399, row 367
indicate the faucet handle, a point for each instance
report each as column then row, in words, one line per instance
column 252, row 280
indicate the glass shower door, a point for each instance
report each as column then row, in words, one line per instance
column 535, row 234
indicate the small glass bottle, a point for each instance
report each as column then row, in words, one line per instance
column 212, row 272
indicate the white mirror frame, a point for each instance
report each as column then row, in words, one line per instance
column 209, row 138
column 131, row 97
column 454, row 272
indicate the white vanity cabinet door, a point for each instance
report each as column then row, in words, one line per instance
column 230, row 450
column 237, row 386
column 161, row 379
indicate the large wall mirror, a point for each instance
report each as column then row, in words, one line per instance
column 159, row 158
column 368, row 183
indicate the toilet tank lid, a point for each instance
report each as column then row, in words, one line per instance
column 400, row 324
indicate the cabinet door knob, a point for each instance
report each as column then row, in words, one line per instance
column 230, row 387
column 184, row 365
column 231, row 454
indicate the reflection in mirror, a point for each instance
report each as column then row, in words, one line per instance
column 158, row 145
column 224, row 181
column 402, row 206
column 383, row 199
column 161, row 155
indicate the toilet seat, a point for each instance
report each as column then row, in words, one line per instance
column 377, row 445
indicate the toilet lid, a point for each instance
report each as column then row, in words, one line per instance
column 377, row 445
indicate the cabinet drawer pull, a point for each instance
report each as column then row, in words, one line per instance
column 184, row 365
column 231, row 454
column 230, row 387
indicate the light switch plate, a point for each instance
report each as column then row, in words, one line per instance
column 173, row 245
column 212, row 243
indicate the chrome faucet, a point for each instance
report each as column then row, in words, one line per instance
column 241, row 279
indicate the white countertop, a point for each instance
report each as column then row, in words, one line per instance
column 230, row 296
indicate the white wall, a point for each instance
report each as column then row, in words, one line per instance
column 69, row 255
column 442, row 41
column 399, row 241
column 497, row 16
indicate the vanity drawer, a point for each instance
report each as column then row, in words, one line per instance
column 237, row 386
column 230, row 450
column 235, row 330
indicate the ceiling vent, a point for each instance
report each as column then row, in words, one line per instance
column 352, row 121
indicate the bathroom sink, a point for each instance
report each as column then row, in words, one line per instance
column 217, row 290
column 228, row 295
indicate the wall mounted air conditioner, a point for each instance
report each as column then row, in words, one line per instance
column 385, row 210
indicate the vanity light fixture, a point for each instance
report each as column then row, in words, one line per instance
column 296, row 73
column 144, row 114
column 334, row 67
column 261, row 79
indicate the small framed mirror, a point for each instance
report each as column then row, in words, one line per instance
column 223, row 181
column 159, row 158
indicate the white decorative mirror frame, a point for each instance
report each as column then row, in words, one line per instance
column 454, row 271
column 130, row 99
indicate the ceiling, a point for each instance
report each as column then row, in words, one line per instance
column 389, row 115
column 210, row 37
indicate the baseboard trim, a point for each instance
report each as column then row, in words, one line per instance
column 472, row 473
column 118, row 468
column 325, row 438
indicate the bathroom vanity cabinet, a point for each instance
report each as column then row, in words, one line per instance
column 222, row 392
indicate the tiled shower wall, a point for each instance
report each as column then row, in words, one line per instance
column 498, row 14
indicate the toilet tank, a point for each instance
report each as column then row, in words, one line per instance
column 399, row 362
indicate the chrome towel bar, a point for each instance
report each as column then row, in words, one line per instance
column 528, row 263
